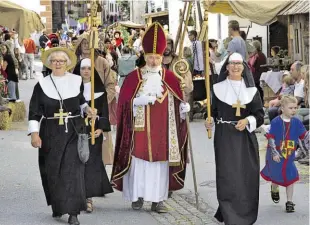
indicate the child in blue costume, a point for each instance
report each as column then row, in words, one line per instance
column 280, row 169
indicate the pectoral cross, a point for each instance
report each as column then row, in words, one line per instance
column 238, row 106
column 61, row 116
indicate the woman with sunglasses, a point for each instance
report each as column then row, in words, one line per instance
column 96, row 179
column 54, row 124
column 237, row 112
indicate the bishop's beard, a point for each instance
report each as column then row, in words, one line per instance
column 153, row 84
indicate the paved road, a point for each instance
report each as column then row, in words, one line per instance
column 269, row 213
column 22, row 200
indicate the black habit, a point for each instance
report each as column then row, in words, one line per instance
column 96, row 179
column 237, row 158
column 61, row 170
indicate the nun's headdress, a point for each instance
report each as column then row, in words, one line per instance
column 246, row 74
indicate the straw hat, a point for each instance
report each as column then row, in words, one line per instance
column 70, row 53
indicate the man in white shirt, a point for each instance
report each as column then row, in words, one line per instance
column 298, row 91
column 299, row 82
column 197, row 52
column 137, row 45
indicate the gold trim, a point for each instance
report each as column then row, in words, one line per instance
column 170, row 89
column 156, row 34
column 173, row 93
column 155, row 38
column 148, row 127
column 161, row 100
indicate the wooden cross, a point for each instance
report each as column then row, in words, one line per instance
column 238, row 106
column 61, row 116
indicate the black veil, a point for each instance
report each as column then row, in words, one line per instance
column 99, row 86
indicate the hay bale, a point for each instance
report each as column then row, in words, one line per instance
column 19, row 112
column 6, row 119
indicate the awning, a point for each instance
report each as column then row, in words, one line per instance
column 22, row 20
column 127, row 24
column 261, row 12
column 156, row 14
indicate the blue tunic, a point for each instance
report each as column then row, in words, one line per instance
column 285, row 172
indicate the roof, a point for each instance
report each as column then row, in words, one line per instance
column 128, row 24
column 156, row 14
column 296, row 7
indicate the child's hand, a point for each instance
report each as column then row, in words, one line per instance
column 276, row 158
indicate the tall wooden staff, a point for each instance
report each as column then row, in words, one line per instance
column 179, row 68
column 204, row 37
column 93, row 44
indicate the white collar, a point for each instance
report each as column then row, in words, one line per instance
column 285, row 119
column 226, row 91
column 87, row 92
column 68, row 86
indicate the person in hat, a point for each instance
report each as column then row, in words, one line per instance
column 96, row 178
column 54, row 43
column 108, row 78
column 237, row 110
column 57, row 102
column 151, row 142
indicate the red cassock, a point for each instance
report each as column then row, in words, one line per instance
column 151, row 144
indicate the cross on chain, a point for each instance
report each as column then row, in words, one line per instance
column 61, row 116
column 238, row 106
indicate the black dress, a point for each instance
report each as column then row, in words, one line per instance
column 61, row 170
column 96, row 179
column 237, row 157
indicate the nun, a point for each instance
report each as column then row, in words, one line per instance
column 96, row 180
column 237, row 111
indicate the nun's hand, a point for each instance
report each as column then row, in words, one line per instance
column 210, row 124
column 92, row 113
column 36, row 141
column 241, row 125
column 98, row 132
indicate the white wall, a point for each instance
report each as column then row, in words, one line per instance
column 261, row 31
